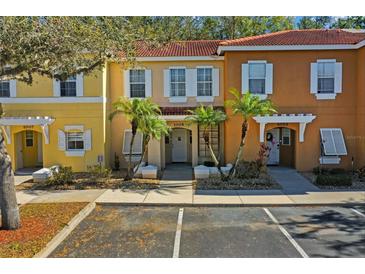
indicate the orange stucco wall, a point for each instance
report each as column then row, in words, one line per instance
column 291, row 94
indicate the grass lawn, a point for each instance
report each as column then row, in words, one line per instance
column 40, row 223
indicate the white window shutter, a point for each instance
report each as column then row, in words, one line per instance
column 61, row 140
column 80, row 85
column 269, row 79
column 87, row 139
column 56, row 88
column 314, row 78
column 166, row 81
column 127, row 88
column 148, row 79
column 12, row 84
column 244, row 78
column 338, row 77
column 215, row 85
column 191, row 82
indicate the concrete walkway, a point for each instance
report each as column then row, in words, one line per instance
column 177, row 176
column 291, row 181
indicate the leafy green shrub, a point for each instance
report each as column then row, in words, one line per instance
column 361, row 173
column 98, row 172
column 334, row 180
column 335, row 171
column 63, row 176
column 248, row 170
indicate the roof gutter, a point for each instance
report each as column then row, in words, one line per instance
column 222, row 49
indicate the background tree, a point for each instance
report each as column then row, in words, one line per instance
column 139, row 114
column 350, row 22
column 315, row 22
column 247, row 106
column 60, row 47
column 206, row 118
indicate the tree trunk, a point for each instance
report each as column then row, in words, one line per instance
column 129, row 175
column 244, row 129
column 10, row 218
column 146, row 141
column 215, row 160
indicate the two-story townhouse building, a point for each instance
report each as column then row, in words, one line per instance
column 315, row 78
column 55, row 122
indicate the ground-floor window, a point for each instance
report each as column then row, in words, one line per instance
column 214, row 140
column 75, row 140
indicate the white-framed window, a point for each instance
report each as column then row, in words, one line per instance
column 71, row 87
column 137, row 82
column 332, row 145
column 257, row 78
column 137, row 144
column 68, row 87
column 4, row 88
column 177, row 82
column 326, row 77
column 74, row 141
column 285, row 136
column 204, row 81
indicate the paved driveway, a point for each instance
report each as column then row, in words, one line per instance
column 121, row 231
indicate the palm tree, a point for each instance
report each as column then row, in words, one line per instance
column 137, row 111
column 207, row 117
column 248, row 106
column 152, row 128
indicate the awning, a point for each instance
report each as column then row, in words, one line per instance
column 43, row 121
column 302, row 119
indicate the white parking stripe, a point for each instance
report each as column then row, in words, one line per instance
column 286, row 233
column 178, row 234
column 358, row 212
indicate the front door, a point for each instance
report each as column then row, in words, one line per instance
column 179, row 145
column 30, row 148
column 19, row 150
column 273, row 141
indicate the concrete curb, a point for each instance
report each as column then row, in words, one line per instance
column 53, row 244
column 226, row 205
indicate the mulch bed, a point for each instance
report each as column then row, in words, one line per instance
column 235, row 184
column 356, row 183
column 82, row 180
column 40, row 223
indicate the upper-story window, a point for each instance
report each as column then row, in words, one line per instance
column 257, row 78
column 204, row 81
column 68, row 87
column 4, row 88
column 326, row 77
column 71, row 87
column 177, row 82
column 137, row 82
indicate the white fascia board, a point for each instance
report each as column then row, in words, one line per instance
column 291, row 118
column 52, row 100
column 180, row 58
column 222, row 49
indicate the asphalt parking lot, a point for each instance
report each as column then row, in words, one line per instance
column 244, row 232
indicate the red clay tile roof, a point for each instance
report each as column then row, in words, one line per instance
column 299, row 37
column 183, row 48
